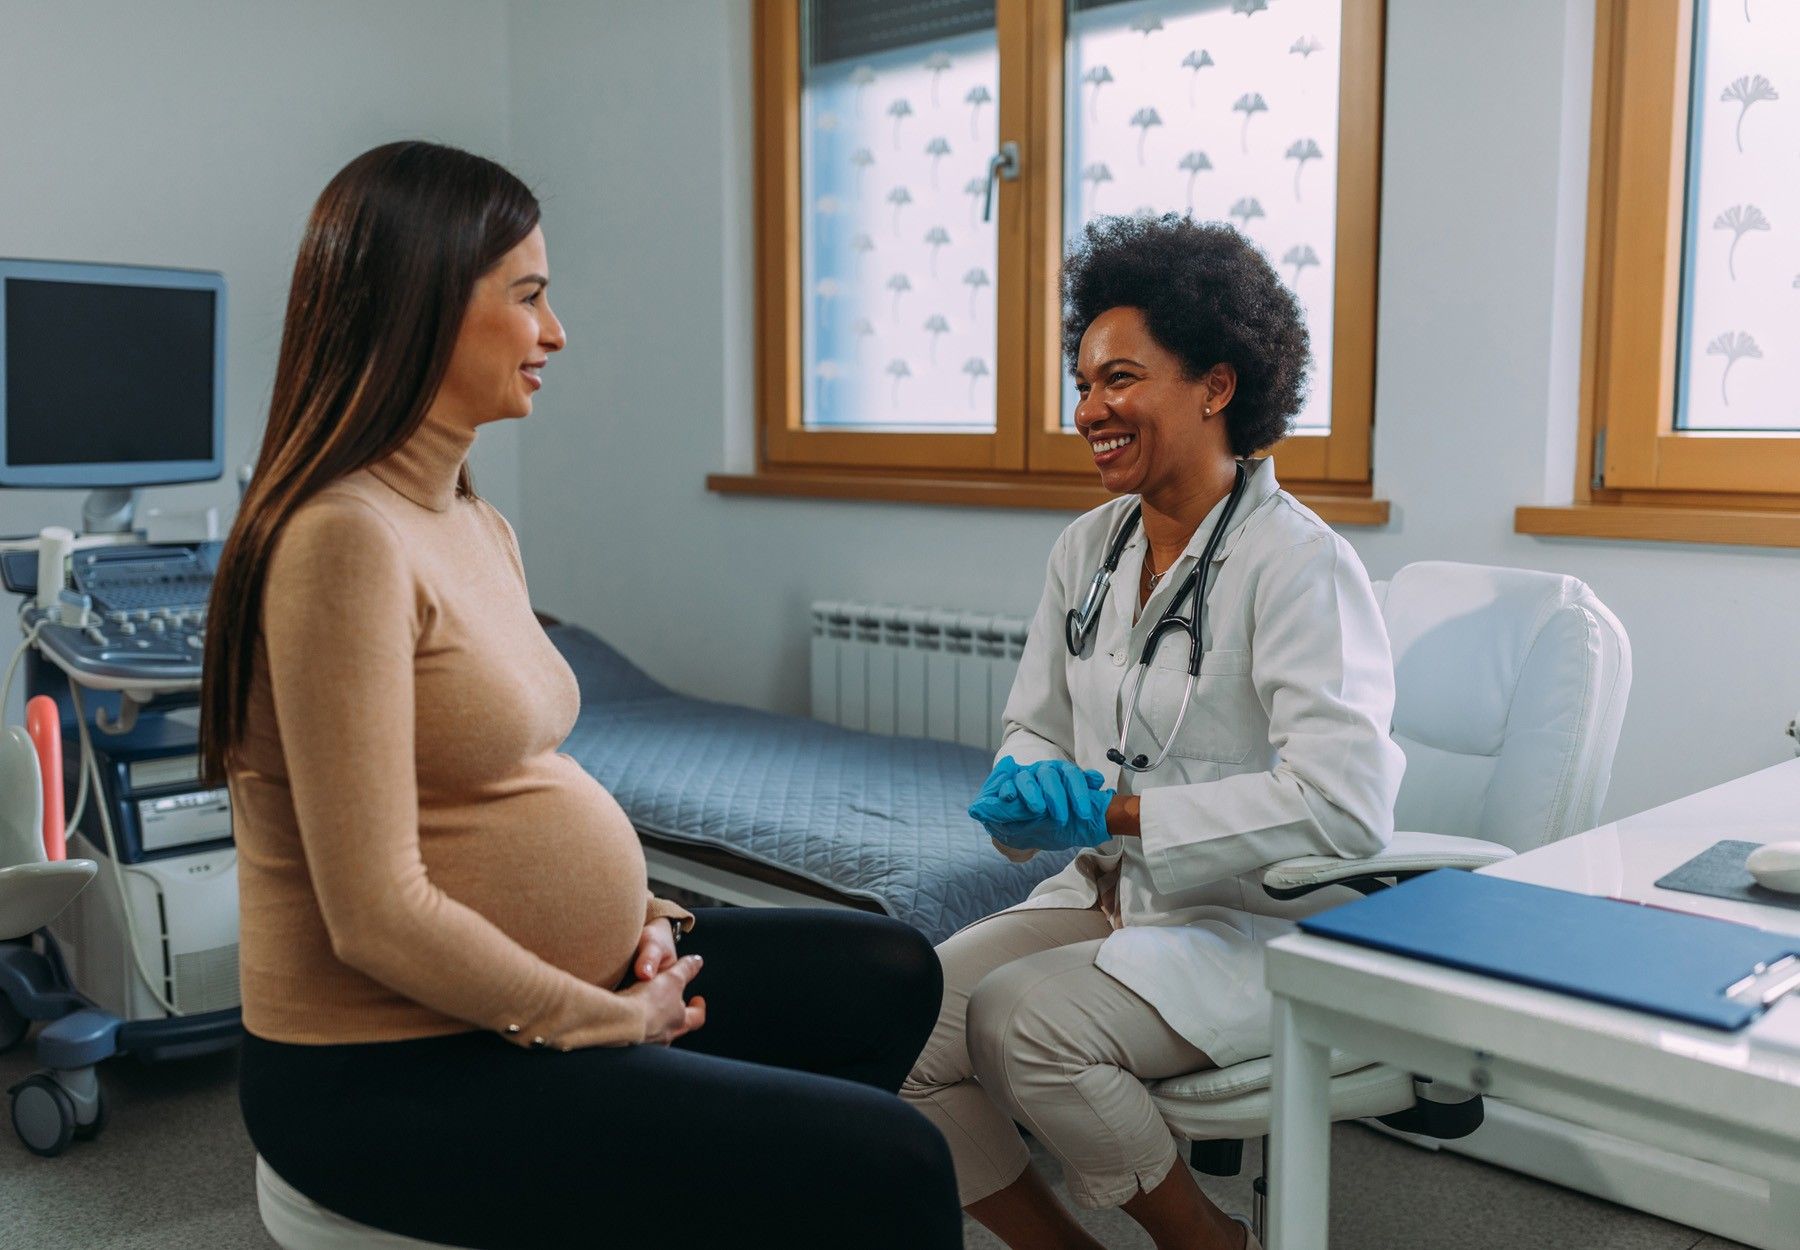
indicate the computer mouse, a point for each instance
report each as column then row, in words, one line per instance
column 1776, row 866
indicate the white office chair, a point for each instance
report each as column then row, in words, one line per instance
column 1510, row 687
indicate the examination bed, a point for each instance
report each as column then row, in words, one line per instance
column 806, row 809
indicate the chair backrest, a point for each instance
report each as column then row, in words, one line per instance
column 1510, row 687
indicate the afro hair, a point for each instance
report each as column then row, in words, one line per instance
column 1209, row 296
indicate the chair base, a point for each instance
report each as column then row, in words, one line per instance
column 296, row 1222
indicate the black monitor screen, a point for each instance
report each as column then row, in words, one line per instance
column 101, row 374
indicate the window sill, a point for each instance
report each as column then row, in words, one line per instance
column 1043, row 492
column 1648, row 523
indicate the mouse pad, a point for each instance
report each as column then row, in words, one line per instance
column 1719, row 872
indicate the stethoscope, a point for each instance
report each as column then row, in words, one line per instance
column 1080, row 625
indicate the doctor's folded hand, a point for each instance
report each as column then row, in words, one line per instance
column 1051, row 805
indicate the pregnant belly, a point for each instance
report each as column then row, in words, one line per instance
column 555, row 864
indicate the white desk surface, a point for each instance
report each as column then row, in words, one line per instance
column 1625, row 858
column 1623, row 1071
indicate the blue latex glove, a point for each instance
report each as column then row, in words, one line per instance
column 1048, row 806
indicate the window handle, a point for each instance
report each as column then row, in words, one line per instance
column 1002, row 164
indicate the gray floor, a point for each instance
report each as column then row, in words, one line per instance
column 173, row 1172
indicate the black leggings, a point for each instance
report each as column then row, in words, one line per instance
column 775, row 1124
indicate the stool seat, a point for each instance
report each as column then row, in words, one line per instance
column 296, row 1222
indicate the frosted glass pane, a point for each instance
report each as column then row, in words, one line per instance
column 1223, row 110
column 898, row 267
column 1739, row 363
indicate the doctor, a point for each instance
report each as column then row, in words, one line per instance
column 1143, row 959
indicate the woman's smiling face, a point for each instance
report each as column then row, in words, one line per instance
column 1150, row 426
column 507, row 335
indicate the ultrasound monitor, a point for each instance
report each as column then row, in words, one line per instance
column 112, row 377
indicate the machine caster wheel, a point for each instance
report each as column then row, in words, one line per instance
column 43, row 1115
column 13, row 1027
column 87, row 1132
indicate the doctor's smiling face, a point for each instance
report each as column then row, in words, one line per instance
column 1147, row 421
column 507, row 335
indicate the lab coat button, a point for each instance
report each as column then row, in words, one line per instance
column 1118, row 659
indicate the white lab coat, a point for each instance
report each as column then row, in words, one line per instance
column 1285, row 751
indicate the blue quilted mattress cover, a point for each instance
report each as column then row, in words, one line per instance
column 870, row 816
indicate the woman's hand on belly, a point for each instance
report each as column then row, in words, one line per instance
column 666, row 1015
column 656, row 950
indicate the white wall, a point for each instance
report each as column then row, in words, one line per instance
column 198, row 134
column 633, row 119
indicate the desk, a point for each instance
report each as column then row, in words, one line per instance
column 1629, row 1073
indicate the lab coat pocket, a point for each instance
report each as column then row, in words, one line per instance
column 1224, row 723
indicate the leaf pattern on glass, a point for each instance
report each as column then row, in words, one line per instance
column 975, row 279
column 862, row 158
column 1305, row 46
column 828, row 371
column 937, row 150
column 862, row 245
column 977, row 369
column 1302, row 151
column 898, row 370
column 1144, row 119
column 899, row 110
column 1740, row 219
column 864, row 330
column 937, row 63
column 1249, row 104
column 1300, row 256
column 1094, row 175
column 977, row 96
column 1249, row 8
column 862, row 77
column 828, row 289
column 1193, row 63
column 935, row 325
column 935, row 238
column 1744, row 92
column 899, row 197
column 899, row 284
column 1147, row 26
column 1194, row 163
column 1247, row 210
column 1734, row 345
column 1096, row 78
column 976, row 190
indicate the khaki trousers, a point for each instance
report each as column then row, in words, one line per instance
column 1031, row 1031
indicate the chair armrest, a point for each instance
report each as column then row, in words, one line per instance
column 1406, row 855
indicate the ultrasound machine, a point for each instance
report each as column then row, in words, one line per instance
column 144, row 959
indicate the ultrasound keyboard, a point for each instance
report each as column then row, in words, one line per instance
column 145, row 620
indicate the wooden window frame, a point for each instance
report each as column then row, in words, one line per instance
column 1029, row 460
column 1637, row 476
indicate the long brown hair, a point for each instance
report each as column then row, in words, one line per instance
column 386, row 268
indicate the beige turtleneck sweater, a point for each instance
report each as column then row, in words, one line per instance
column 415, row 858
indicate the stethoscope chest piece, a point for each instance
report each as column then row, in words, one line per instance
column 1081, row 625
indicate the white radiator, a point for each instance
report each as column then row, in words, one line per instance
column 920, row 672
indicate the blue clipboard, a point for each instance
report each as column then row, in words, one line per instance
column 1692, row 968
